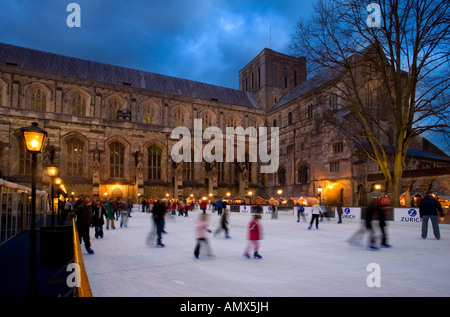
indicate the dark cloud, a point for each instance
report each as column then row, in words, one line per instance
column 202, row 40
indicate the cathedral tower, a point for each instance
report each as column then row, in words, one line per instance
column 270, row 74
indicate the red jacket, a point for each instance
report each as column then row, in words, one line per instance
column 254, row 231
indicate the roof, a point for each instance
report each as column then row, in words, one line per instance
column 412, row 152
column 304, row 88
column 26, row 58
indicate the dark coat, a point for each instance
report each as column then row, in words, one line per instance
column 84, row 214
column 98, row 215
column 159, row 210
column 429, row 206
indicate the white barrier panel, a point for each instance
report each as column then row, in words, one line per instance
column 286, row 211
column 407, row 215
column 350, row 213
column 244, row 209
column 267, row 209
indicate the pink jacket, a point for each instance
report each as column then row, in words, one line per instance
column 201, row 229
column 254, row 231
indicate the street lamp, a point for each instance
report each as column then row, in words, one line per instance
column 319, row 191
column 52, row 172
column 34, row 140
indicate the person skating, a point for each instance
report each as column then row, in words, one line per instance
column 83, row 215
column 223, row 224
column 301, row 212
column 315, row 213
column 158, row 213
column 201, row 232
column 429, row 208
column 110, row 214
column 98, row 216
column 377, row 212
column 339, row 210
column 254, row 235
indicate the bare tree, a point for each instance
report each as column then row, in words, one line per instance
column 388, row 67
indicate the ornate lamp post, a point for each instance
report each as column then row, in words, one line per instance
column 52, row 172
column 319, row 191
column 34, row 140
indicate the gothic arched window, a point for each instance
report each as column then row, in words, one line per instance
column 116, row 160
column 178, row 118
column 206, row 121
column 302, row 175
column 74, row 159
column 114, row 105
column 38, row 100
column 78, row 105
column 154, row 162
column 148, row 115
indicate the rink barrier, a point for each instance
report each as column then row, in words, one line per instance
column 15, row 209
column 411, row 214
column 84, row 288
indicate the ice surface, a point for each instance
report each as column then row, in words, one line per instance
column 296, row 262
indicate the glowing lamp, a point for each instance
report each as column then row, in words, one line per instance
column 34, row 138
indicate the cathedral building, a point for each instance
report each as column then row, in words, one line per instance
column 109, row 132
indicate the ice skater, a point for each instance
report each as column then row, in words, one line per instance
column 339, row 210
column 301, row 212
column 98, row 216
column 223, row 224
column 158, row 213
column 254, row 235
column 429, row 209
column 315, row 212
column 324, row 213
column 124, row 211
column 373, row 215
column 201, row 232
column 110, row 214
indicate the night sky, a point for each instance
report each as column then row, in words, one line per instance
column 202, row 40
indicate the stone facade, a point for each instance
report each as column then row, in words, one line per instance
column 109, row 131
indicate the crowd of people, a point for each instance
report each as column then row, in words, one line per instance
column 95, row 213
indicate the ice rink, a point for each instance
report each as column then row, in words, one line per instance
column 296, row 262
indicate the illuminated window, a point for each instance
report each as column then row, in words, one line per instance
column 154, row 162
column 74, row 157
column 148, row 115
column 116, row 160
column 178, row 118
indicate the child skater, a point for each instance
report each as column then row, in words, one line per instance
column 254, row 235
column 200, row 233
